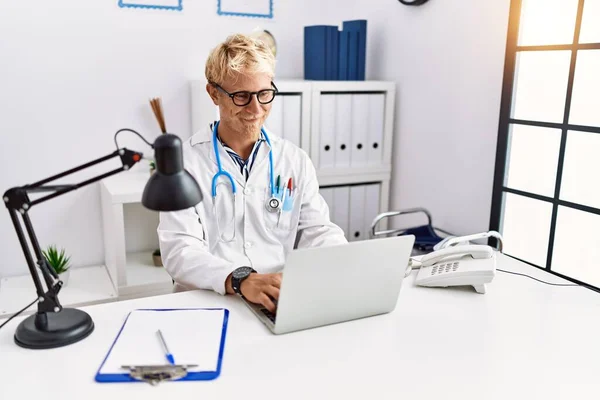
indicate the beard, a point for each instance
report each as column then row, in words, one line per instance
column 250, row 129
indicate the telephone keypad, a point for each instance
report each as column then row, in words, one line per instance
column 446, row 267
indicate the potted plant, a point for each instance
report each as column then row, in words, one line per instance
column 152, row 167
column 58, row 261
column 157, row 258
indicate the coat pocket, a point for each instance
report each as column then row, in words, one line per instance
column 285, row 219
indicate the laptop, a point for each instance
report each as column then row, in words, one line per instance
column 328, row 285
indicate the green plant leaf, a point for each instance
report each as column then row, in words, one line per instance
column 58, row 261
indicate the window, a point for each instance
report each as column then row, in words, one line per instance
column 546, row 200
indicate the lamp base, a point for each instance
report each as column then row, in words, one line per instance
column 50, row 330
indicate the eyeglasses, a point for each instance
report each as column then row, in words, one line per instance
column 243, row 98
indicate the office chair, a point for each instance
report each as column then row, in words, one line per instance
column 426, row 236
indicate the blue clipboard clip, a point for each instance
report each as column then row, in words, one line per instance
column 154, row 374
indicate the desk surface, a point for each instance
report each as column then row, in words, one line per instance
column 522, row 339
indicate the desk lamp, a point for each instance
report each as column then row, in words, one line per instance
column 170, row 188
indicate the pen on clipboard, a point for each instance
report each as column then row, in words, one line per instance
column 168, row 354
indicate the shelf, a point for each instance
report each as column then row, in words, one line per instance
column 332, row 85
column 353, row 86
column 126, row 187
column 348, row 176
column 143, row 276
column 86, row 286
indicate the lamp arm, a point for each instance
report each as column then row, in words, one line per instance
column 128, row 159
column 17, row 201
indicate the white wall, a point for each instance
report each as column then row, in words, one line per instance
column 448, row 59
column 73, row 72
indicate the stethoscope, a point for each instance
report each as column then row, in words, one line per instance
column 273, row 203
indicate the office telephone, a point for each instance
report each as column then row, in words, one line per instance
column 459, row 263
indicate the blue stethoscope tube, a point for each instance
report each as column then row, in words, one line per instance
column 227, row 174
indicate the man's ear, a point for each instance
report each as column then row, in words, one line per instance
column 213, row 93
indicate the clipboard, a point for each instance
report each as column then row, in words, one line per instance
column 195, row 337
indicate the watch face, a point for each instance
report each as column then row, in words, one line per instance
column 241, row 272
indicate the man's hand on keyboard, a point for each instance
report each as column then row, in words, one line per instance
column 262, row 289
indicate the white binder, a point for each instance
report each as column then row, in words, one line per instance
column 372, row 198
column 341, row 207
column 275, row 121
column 360, row 129
column 327, row 194
column 376, row 127
column 357, row 213
column 327, row 131
column 343, row 129
column 292, row 118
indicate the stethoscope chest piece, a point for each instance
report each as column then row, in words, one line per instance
column 274, row 204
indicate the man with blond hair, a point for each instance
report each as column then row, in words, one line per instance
column 261, row 194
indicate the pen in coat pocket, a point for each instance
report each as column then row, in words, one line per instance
column 281, row 206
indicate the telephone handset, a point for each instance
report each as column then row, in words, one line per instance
column 476, row 251
column 462, row 265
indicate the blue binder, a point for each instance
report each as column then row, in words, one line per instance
column 309, row 53
column 194, row 336
column 332, row 53
column 353, row 56
column 359, row 26
column 315, row 52
column 343, row 56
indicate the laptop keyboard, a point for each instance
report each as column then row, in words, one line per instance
column 269, row 314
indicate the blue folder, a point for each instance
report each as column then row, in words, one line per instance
column 359, row 26
column 316, row 54
column 333, row 49
column 353, row 56
column 343, row 55
column 193, row 335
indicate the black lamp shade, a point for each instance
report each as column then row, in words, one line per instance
column 171, row 187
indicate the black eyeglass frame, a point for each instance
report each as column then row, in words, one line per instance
column 232, row 95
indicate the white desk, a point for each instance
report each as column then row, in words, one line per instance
column 521, row 340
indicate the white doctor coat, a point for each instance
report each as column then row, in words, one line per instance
column 191, row 249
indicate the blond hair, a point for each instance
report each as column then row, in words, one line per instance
column 239, row 53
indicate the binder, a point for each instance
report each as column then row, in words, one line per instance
column 360, row 129
column 360, row 27
column 327, row 135
column 343, row 56
column 341, row 204
column 292, row 118
column 352, row 56
column 309, row 53
column 332, row 52
column 315, row 52
column 327, row 195
column 376, row 128
column 357, row 213
column 194, row 336
column 343, row 129
column 371, row 206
